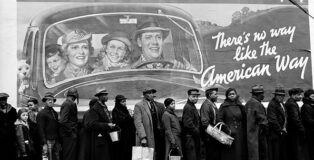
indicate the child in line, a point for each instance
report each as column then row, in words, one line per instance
column 25, row 149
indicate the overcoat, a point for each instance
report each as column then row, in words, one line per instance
column 23, row 135
column 307, row 113
column 96, row 124
column 191, row 127
column 143, row 121
column 257, row 125
column 296, row 132
column 277, row 121
column 69, row 129
column 234, row 116
column 7, row 132
column 123, row 119
column 172, row 131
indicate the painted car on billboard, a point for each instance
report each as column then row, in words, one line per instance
column 267, row 47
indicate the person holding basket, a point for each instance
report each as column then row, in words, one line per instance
column 233, row 115
column 172, row 127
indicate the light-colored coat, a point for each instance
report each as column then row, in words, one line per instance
column 143, row 121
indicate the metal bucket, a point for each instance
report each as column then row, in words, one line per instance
column 115, row 135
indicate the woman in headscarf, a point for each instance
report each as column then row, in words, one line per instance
column 233, row 115
column 122, row 117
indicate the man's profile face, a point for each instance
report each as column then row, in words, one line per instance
column 151, row 44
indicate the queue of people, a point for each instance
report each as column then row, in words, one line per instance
column 282, row 131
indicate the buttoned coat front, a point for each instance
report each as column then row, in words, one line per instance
column 143, row 121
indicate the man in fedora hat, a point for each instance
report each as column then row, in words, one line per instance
column 277, row 121
column 256, row 125
column 148, row 123
column 149, row 37
column 68, row 125
column 296, row 147
column 116, row 49
column 48, row 126
column 191, row 126
column 8, row 116
column 98, row 122
column 209, row 113
column 76, row 47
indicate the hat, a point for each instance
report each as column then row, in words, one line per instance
column 74, row 36
column 101, row 91
column 279, row 90
column 150, row 25
column 120, row 97
column 48, row 95
column 294, row 91
column 149, row 90
column 193, row 91
column 4, row 95
column 257, row 89
column 72, row 92
column 120, row 36
column 211, row 89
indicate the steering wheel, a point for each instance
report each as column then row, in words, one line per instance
column 163, row 62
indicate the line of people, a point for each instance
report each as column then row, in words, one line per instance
column 282, row 131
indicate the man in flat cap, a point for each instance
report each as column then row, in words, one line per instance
column 191, row 126
column 68, row 125
column 257, row 125
column 148, row 123
column 98, row 122
column 295, row 128
column 76, row 47
column 48, row 126
column 149, row 37
column 8, row 116
column 277, row 121
column 208, row 113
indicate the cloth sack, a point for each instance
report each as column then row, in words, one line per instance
column 142, row 153
column 222, row 137
column 175, row 154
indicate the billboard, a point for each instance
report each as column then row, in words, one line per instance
column 189, row 45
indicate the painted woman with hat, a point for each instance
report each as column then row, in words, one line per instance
column 8, row 116
column 117, row 48
column 48, row 126
column 122, row 117
column 76, row 47
column 69, row 125
column 150, row 37
column 277, row 121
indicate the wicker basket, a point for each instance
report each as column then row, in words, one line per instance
column 219, row 135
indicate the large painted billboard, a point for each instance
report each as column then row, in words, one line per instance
column 172, row 47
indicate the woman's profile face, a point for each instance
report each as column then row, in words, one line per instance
column 56, row 63
column 78, row 53
column 232, row 95
column 116, row 51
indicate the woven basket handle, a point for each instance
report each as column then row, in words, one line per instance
column 219, row 124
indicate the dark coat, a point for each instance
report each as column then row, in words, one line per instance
column 48, row 125
column 307, row 114
column 68, row 129
column 23, row 135
column 277, row 116
column 99, row 144
column 121, row 117
column 209, row 115
column 172, row 131
column 191, row 129
column 7, row 133
column 234, row 116
column 296, row 132
column 257, row 125
column 68, row 119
